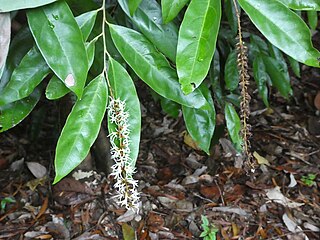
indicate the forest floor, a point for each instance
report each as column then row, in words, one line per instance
column 178, row 184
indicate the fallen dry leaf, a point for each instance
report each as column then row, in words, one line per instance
column 260, row 159
column 294, row 228
column 275, row 195
column 211, row 192
column 38, row 170
column 154, row 222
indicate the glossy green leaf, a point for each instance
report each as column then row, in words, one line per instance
column 277, row 54
column 81, row 128
column 230, row 11
column 133, row 5
column 312, row 19
column 20, row 45
column 156, row 71
column 60, row 41
column 86, row 22
column 279, row 76
column 171, row 8
column 30, row 72
column 283, row 28
column 170, row 107
column 233, row 125
column 5, row 33
column 214, row 75
column 148, row 19
column 124, row 89
column 56, row 89
column 9, row 5
column 262, row 45
column 295, row 66
column 261, row 77
column 302, row 4
column 231, row 73
column 13, row 113
column 197, row 42
column 201, row 123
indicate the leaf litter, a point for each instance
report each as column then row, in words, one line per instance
column 178, row 183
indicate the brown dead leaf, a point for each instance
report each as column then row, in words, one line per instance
column 211, row 192
column 70, row 192
column 237, row 192
column 43, row 207
column 3, row 163
column 155, row 222
column 165, row 174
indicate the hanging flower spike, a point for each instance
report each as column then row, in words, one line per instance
column 122, row 170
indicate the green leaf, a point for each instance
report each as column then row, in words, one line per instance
column 81, row 128
column 20, row 45
column 230, row 11
column 31, row 71
column 133, row 5
column 313, row 19
column 156, row 71
column 60, row 41
column 9, row 5
column 86, row 22
column 56, row 89
column 170, row 107
column 128, row 232
column 5, row 33
column 259, row 42
column 214, row 75
column 148, row 19
column 233, row 125
column 279, row 76
column 13, row 113
column 231, row 73
column 124, row 89
column 302, row 4
column 295, row 66
column 197, row 42
column 201, row 123
column 283, row 28
column 171, row 8
column 261, row 77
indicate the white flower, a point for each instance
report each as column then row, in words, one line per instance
column 123, row 169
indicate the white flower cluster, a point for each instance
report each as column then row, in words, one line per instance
column 123, row 169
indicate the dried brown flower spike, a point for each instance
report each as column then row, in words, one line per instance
column 244, row 82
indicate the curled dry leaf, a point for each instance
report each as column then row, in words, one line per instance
column 260, row 159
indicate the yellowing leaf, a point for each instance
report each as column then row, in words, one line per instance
column 260, row 159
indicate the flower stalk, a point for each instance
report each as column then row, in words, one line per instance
column 242, row 61
column 123, row 168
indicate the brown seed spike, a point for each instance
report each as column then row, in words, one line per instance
column 242, row 63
